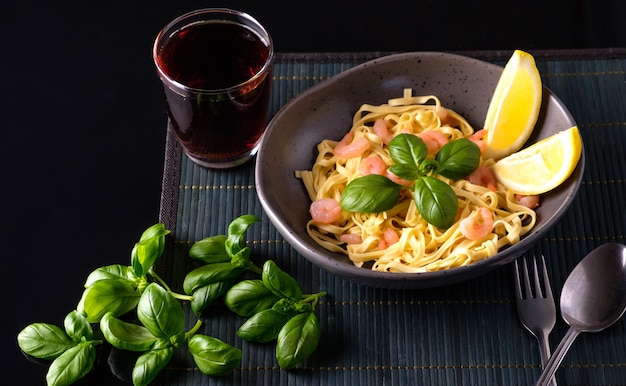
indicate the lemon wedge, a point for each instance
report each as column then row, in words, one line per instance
column 542, row 166
column 514, row 107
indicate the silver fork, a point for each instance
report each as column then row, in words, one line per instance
column 535, row 306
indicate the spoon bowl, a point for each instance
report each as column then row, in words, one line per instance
column 594, row 295
column 593, row 298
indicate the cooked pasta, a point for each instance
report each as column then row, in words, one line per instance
column 399, row 240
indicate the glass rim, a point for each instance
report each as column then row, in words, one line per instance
column 169, row 30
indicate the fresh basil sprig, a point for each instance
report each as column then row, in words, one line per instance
column 160, row 333
column 435, row 199
column 114, row 290
column 277, row 311
column 72, row 349
column 117, row 288
column 226, row 257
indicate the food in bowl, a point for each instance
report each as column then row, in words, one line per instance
column 326, row 111
column 444, row 206
column 410, row 187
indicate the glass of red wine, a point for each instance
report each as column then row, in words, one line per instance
column 215, row 67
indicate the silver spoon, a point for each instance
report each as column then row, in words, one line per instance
column 592, row 299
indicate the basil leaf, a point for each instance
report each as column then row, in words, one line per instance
column 407, row 172
column 263, row 326
column 149, row 364
column 370, row 194
column 126, row 336
column 77, row 327
column 210, row 273
column 72, row 365
column 115, row 295
column 297, row 340
column 436, row 201
column 279, row 282
column 407, row 149
column 115, row 271
column 248, row 297
column 205, row 296
column 236, row 231
column 210, row 250
column 212, row 356
column 149, row 248
column 458, row 158
column 160, row 312
column 44, row 341
column 290, row 307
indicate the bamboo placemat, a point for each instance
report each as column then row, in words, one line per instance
column 465, row 334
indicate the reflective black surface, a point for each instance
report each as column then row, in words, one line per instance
column 84, row 127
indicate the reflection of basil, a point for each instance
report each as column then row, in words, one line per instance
column 434, row 198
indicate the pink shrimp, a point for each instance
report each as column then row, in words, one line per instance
column 483, row 176
column 531, row 201
column 351, row 238
column 390, row 237
column 325, row 210
column 346, row 148
column 433, row 139
column 372, row 165
column 477, row 225
column 445, row 118
column 477, row 138
column 381, row 129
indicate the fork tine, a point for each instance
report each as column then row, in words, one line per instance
column 546, row 280
column 529, row 291
column 538, row 291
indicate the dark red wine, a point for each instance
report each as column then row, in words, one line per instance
column 227, row 122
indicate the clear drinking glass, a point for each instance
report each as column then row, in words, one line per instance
column 215, row 67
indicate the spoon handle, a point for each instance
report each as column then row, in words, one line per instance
column 557, row 357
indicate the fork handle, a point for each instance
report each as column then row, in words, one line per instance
column 544, row 351
column 556, row 359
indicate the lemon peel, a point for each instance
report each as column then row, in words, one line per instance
column 542, row 166
column 514, row 107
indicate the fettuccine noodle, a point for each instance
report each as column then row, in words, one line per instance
column 420, row 247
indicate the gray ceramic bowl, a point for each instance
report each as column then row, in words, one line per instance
column 325, row 111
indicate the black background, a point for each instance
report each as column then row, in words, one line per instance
column 83, row 126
